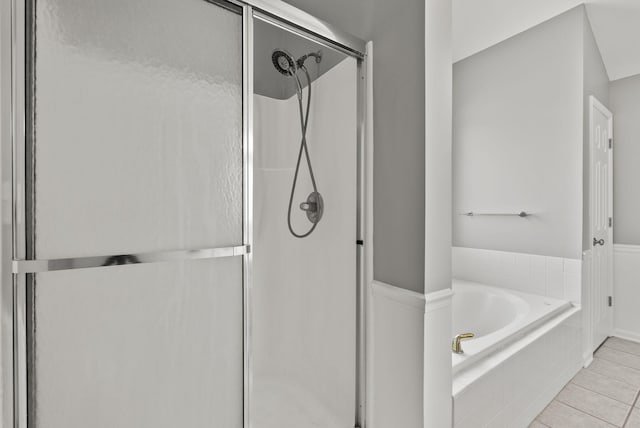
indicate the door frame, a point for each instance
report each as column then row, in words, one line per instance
column 15, row 124
column 595, row 104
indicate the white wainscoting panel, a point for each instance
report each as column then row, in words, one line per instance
column 548, row 276
column 626, row 292
column 395, row 364
column 437, row 359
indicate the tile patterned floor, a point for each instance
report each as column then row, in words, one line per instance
column 603, row 395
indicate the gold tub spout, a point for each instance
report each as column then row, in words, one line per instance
column 455, row 345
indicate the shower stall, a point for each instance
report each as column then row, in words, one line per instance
column 182, row 216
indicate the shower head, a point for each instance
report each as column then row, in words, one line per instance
column 283, row 62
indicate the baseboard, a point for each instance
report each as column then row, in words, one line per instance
column 626, row 335
column 587, row 360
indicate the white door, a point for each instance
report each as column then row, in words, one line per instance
column 601, row 219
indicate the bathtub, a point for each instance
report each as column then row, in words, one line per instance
column 496, row 317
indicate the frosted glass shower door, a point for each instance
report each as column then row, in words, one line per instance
column 137, row 150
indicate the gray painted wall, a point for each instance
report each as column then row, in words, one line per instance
column 397, row 31
column 624, row 101
column 438, row 100
column 517, row 141
column 596, row 83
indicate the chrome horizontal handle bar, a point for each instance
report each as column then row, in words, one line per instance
column 37, row 266
column 520, row 214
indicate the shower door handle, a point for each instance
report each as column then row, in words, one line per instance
column 39, row 266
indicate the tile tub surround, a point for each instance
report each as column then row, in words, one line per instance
column 605, row 394
column 548, row 276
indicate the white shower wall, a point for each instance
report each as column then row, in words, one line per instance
column 304, row 290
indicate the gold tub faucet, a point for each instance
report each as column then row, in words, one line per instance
column 455, row 345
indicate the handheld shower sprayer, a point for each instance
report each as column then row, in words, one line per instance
column 314, row 205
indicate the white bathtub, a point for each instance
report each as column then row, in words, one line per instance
column 496, row 317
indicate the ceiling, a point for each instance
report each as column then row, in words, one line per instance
column 479, row 24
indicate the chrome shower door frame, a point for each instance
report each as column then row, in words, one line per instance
column 13, row 232
column 247, row 147
column 16, row 172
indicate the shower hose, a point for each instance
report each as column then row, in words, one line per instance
column 304, row 121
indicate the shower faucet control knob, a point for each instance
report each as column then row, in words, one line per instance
column 309, row 206
column 314, row 207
